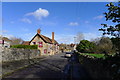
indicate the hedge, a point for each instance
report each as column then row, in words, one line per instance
column 25, row 46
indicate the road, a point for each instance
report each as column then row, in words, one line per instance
column 50, row 67
column 55, row 67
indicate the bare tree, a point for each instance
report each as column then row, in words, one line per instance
column 79, row 37
column 16, row 40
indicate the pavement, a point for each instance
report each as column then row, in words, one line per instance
column 55, row 67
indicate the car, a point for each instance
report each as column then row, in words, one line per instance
column 68, row 54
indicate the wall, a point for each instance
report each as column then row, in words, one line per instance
column 98, row 68
column 11, row 54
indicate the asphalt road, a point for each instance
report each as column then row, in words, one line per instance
column 55, row 67
column 50, row 67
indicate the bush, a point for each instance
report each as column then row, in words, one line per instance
column 85, row 46
column 25, row 46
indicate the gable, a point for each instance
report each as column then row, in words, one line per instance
column 44, row 38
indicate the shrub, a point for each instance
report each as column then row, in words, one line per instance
column 85, row 46
column 25, row 46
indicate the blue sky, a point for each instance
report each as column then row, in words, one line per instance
column 66, row 19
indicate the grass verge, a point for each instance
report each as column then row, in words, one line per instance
column 94, row 55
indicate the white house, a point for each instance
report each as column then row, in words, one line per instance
column 5, row 42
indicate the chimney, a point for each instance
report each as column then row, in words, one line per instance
column 53, row 37
column 38, row 31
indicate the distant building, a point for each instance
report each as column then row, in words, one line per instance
column 26, row 43
column 45, row 44
column 5, row 42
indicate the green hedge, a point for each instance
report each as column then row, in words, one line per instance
column 25, row 46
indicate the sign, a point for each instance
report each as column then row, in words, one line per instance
column 40, row 44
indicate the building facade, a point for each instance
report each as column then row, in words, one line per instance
column 5, row 42
column 46, row 45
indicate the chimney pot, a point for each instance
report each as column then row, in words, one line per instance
column 38, row 31
column 53, row 37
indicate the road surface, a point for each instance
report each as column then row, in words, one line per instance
column 50, row 67
column 55, row 67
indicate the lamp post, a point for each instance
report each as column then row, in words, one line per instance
column 75, row 43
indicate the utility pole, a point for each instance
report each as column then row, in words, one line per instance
column 75, row 43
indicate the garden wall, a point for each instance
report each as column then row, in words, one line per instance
column 13, row 54
column 13, row 59
column 97, row 67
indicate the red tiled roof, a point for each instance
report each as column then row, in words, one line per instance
column 47, row 39
column 25, row 43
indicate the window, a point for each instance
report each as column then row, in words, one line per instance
column 34, row 43
column 45, row 50
column 40, row 44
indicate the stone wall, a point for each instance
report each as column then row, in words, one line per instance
column 13, row 54
column 96, row 67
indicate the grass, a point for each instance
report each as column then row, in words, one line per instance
column 94, row 55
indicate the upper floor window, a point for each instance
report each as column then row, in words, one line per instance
column 34, row 43
column 40, row 44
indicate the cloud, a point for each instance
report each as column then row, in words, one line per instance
column 26, row 20
column 39, row 13
column 98, row 17
column 73, row 23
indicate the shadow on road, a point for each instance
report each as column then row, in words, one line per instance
column 74, row 70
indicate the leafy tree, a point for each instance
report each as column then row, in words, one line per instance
column 85, row 46
column 113, row 15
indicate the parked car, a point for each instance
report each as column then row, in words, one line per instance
column 68, row 54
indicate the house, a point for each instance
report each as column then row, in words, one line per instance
column 26, row 43
column 45, row 44
column 5, row 42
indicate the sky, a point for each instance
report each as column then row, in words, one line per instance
column 66, row 19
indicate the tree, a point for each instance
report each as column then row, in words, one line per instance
column 113, row 15
column 104, row 45
column 16, row 41
column 85, row 46
column 79, row 37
